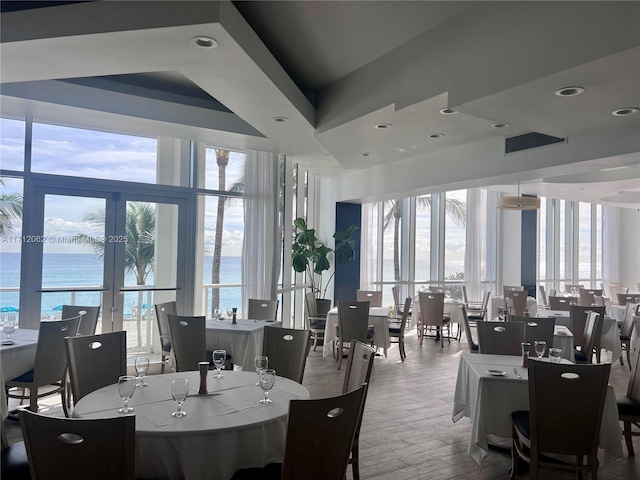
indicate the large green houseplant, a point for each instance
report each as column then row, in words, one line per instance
column 312, row 256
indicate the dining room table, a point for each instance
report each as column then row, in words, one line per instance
column 378, row 319
column 224, row 430
column 243, row 340
column 490, row 387
column 17, row 356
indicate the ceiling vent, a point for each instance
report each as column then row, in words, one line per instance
column 530, row 140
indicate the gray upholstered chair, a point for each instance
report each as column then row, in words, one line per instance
column 397, row 329
column 374, row 297
column 263, row 309
column 353, row 324
column 629, row 404
column 188, row 341
column 500, row 338
column 287, row 349
column 89, row 320
column 432, row 315
column 162, row 310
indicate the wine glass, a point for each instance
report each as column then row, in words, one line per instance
column 540, row 347
column 142, row 367
column 261, row 363
column 229, row 313
column 8, row 328
column 179, row 391
column 219, row 357
column 126, row 387
column 267, row 379
column 216, row 315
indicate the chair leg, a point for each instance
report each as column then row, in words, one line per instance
column 355, row 462
column 515, row 459
column 628, row 439
column 403, row 355
column 628, row 356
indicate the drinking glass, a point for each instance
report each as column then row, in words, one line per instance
column 142, row 367
column 216, row 315
column 540, row 347
column 179, row 391
column 229, row 313
column 8, row 328
column 555, row 355
column 261, row 363
column 267, row 379
column 219, row 357
column 126, row 387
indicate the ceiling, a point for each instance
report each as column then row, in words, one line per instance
column 333, row 70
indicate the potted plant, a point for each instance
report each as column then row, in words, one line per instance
column 312, row 256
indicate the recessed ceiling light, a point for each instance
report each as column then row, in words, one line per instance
column 569, row 91
column 382, row 126
column 436, row 135
column 204, row 42
column 447, row 111
column 623, row 112
column 280, row 119
column 499, row 125
column 367, row 154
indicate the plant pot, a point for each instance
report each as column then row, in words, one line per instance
column 323, row 306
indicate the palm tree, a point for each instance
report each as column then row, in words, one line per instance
column 10, row 210
column 455, row 211
column 139, row 250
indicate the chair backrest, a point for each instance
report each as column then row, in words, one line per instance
column 519, row 299
column 436, row 289
column 89, row 320
column 466, row 327
column 570, row 426
column 162, row 310
column 587, row 295
column 511, row 288
column 95, row 361
column 188, row 340
column 568, row 288
column 615, row 289
column 627, row 324
column 374, row 297
column 359, row 366
column 287, row 350
column 263, row 309
column 500, row 338
column 560, row 303
column 543, row 296
column 624, row 298
column 485, row 302
column 537, row 329
column 353, row 320
column 633, row 388
column 431, row 308
column 328, row 425
column 578, row 321
column 395, row 290
column 51, row 362
column 465, row 298
column 310, row 302
column 406, row 313
column 592, row 334
column 75, row 449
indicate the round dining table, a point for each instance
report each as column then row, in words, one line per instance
column 224, row 430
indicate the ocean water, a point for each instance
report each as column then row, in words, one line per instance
column 61, row 270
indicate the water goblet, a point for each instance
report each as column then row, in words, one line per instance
column 126, row 387
column 219, row 358
column 216, row 315
column 229, row 313
column 179, row 392
column 8, row 328
column 142, row 367
column 540, row 347
column 555, row 355
column 267, row 379
column 260, row 363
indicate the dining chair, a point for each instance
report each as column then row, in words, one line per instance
column 14, row 464
column 374, row 297
column 587, row 295
column 287, row 349
column 629, row 404
column 432, row 315
column 569, row 288
column 50, row 364
column 315, row 323
column 511, row 288
column 353, row 324
column 162, row 321
column 263, row 309
column 89, row 320
column 500, row 338
column 537, row 328
column 624, row 298
column 397, row 329
column 519, row 299
column 559, row 303
column 358, row 372
column 473, row 347
column 570, row 427
column 615, row 289
column 626, row 330
column 592, row 339
column 478, row 314
column 578, row 321
column 75, row 449
column 188, row 340
column 95, row 361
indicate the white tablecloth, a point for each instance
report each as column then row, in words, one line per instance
column 222, row 432
column 243, row 340
column 16, row 359
column 378, row 318
column 497, row 302
column 610, row 338
column 489, row 401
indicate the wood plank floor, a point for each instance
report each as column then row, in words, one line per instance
column 407, row 432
